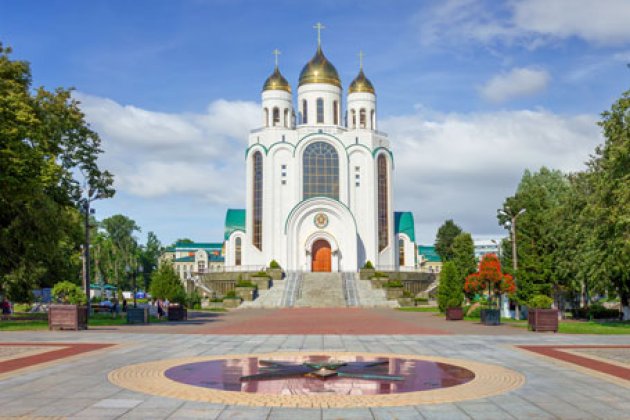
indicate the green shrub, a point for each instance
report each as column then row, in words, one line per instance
column 96, row 299
column 245, row 283
column 231, row 294
column 422, row 300
column 407, row 294
column 274, row 264
column 193, row 300
column 598, row 311
column 540, row 302
column 393, row 284
column 165, row 284
column 368, row 265
column 475, row 313
column 68, row 292
column 450, row 292
column 216, row 300
column 379, row 275
column 260, row 274
column 21, row 307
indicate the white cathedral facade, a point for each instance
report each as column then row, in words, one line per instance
column 319, row 180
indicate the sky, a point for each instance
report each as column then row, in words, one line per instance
column 471, row 93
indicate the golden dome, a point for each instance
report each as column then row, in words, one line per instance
column 319, row 70
column 277, row 82
column 361, row 84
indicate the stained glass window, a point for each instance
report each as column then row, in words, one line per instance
column 257, row 199
column 383, row 225
column 237, row 251
column 321, row 171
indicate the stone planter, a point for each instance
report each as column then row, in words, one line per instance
column 406, row 301
column 490, row 317
column 262, row 283
column 275, row 273
column 394, row 293
column 177, row 313
column 211, row 305
column 543, row 320
column 378, row 282
column 230, row 303
column 366, row 273
column 245, row 293
column 137, row 315
column 67, row 317
column 454, row 314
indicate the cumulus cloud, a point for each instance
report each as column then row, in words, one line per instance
column 156, row 154
column 462, row 166
column 516, row 83
column 528, row 22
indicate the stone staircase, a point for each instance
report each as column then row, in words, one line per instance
column 373, row 298
column 271, row 298
column 322, row 290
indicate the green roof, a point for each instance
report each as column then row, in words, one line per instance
column 403, row 223
column 234, row 220
column 185, row 259
column 428, row 252
column 199, row 245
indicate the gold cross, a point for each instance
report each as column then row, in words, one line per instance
column 276, row 52
column 361, row 55
column 319, row 28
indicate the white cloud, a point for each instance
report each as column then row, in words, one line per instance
column 462, row 166
column 516, row 83
column 155, row 154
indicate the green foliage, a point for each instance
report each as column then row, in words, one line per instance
column 407, row 294
column 245, row 283
column 231, row 294
column 193, row 300
column 451, row 288
column 393, row 284
column 274, row 264
column 68, row 292
column 379, row 275
column 368, row 265
column 165, row 284
column 540, row 302
column 446, row 234
column 463, row 250
column 258, row 274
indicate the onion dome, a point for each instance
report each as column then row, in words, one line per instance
column 361, row 84
column 277, row 82
column 319, row 70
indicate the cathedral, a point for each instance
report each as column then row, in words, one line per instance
column 319, row 180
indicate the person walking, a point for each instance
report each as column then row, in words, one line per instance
column 124, row 307
column 160, row 309
column 6, row 306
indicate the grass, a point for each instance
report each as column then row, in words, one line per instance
column 419, row 309
column 594, row 327
column 96, row 320
column 208, row 310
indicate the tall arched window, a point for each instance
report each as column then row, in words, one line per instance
column 304, row 112
column 286, row 117
column 266, row 117
column 362, row 122
column 257, row 199
column 372, row 121
column 354, row 118
column 335, row 112
column 383, row 225
column 320, row 111
column 237, row 251
column 321, row 171
column 276, row 116
column 401, row 252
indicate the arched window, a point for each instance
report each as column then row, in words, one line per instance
column 237, row 251
column 383, row 225
column 276, row 116
column 257, row 199
column 372, row 121
column 335, row 112
column 286, row 117
column 401, row 252
column 362, row 118
column 304, row 112
column 320, row 111
column 266, row 117
column 354, row 118
column 321, row 171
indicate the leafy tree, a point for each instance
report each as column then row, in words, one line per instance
column 45, row 143
column 451, row 288
column 68, row 292
column 464, row 256
column 165, row 284
column 182, row 241
column 119, row 248
column 444, row 239
column 149, row 255
column 490, row 278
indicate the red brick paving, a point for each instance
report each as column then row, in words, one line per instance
column 53, row 355
column 556, row 352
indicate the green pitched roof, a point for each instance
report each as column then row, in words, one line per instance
column 234, row 220
column 403, row 223
column 428, row 252
column 185, row 259
column 199, row 245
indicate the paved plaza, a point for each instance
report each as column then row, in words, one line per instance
column 576, row 381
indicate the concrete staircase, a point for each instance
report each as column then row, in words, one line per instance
column 373, row 298
column 271, row 298
column 321, row 290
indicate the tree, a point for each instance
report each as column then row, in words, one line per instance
column 451, row 288
column 444, row 239
column 120, row 248
column 490, row 278
column 463, row 250
column 149, row 255
column 165, row 284
column 45, row 144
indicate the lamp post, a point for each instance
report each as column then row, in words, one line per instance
column 87, row 211
column 513, row 216
column 135, row 287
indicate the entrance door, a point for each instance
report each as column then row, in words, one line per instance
column 321, row 256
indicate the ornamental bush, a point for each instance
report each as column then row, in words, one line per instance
column 368, row 265
column 231, row 294
column 540, row 302
column 274, row 264
column 450, row 290
column 70, row 293
column 393, row 284
column 490, row 279
column 245, row 283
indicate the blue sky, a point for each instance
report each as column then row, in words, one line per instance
column 167, row 84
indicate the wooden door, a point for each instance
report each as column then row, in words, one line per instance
column 321, row 256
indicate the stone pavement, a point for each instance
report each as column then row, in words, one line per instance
column 78, row 387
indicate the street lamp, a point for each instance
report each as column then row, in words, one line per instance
column 513, row 217
column 135, row 288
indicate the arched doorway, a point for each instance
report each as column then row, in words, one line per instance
column 321, row 256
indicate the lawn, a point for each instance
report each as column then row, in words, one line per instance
column 95, row 320
column 419, row 309
column 594, row 327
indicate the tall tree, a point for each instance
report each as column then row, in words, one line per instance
column 149, row 255
column 464, row 256
column 120, row 248
column 45, row 142
column 444, row 239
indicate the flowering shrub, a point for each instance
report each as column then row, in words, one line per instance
column 490, row 277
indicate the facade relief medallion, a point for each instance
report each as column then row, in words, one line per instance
column 321, row 220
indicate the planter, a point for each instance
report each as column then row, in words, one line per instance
column 177, row 313
column 490, row 316
column 394, row 293
column 406, row 301
column 275, row 273
column 137, row 315
column 231, row 302
column 245, row 293
column 366, row 273
column 262, row 283
column 378, row 282
column 454, row 314
column 67, row 317
column 211, row 305
column 543, row 320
